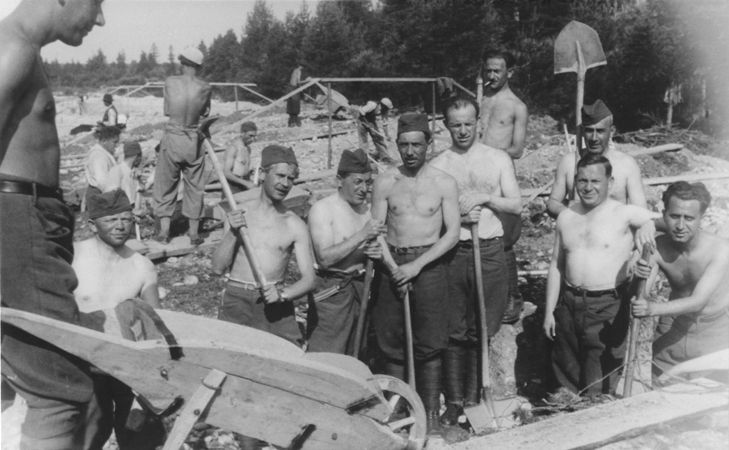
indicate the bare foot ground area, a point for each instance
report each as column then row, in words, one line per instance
column 520, row 365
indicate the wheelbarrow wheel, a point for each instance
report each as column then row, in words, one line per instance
column 408, row 416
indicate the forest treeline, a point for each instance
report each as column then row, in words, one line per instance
column 651, row 46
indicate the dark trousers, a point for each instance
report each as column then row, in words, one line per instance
column 590, row 339
column 331, row 320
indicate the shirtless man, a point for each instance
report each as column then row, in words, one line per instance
column 343, row 234
column 274, row 233
column 696, row 264
column 503, row 125
column 102, row 159
column 487, row 186
column 187, row 98
column 597, row 128
column 109, row 273
column 587, row 310
column 237, row 166
column 36, row 227
column 420, row 207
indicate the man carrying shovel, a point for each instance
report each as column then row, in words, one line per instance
column 487, row 185
column 344, row 235
column 420, row 207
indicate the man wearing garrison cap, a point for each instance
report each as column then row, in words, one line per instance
column 187, row 99
column 597, row 128
column 237, row 164
column 274, row 233
column 420, row 205
column 487, row 187
column 108, row 274
column 343, row 234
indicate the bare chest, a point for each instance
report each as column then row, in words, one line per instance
column 413, row 197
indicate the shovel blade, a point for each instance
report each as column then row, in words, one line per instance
column 565, row 50
column 480, row 417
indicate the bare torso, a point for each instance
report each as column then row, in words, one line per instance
column 414, row 214
column 332, row 220
column 596, row 245
column 187, row 98
column 498, row 118
column 29, row 145
column 624, row 166
column 107, row 277
column 684, row 269
column 272, row 237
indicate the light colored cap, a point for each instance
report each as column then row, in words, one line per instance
column 368, row 107
column 387, row 102
column 193, row 55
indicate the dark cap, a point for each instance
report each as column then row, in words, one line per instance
column 100, row 204
column 274, row 154
column 132, row 149
column 413, row 122
column 108, row 98
column 592, row 114
column 354, row 162
column 248, row 126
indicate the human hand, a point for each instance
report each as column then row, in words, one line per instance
column 373, row 250
column 549, row 325
column 473, row 216
column 646, row 235
column 642, row 269
column 467, row 202
column 237, row 219
column 270, row 294
column 406, row 272
column 372, row 229
column 640, row 307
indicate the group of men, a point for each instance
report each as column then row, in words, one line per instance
column 417, row 228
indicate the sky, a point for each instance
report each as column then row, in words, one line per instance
column 133, row 25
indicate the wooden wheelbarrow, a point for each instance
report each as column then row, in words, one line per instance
column 247, row 381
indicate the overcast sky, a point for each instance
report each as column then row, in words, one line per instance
column 133, row 25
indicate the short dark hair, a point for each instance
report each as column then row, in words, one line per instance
column 688, row 191
column 104, row 133
column 499, row 53
column 458, row 102
column 592, row 159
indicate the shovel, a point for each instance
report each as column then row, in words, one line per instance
column 364, row 300
column 578, row 49
column 634, row 329
column 483, row 415
column 204, row 132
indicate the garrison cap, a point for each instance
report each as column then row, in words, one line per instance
column 274, row 154
column 102, row 204
column 592, row 114
column 191, row 55
column 413, row 122
column 354, row 162
column 248, row 126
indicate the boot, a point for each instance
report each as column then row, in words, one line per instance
column 472, row 385
column 428, row 375
column 454, row 373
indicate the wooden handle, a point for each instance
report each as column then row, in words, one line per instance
column 485, row 370
column 409, row 339
column 364, row 300
column 639, row 290
column 247, row 246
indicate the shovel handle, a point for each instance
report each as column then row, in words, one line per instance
column 409, row 339
column 634, row 329
column 485, row 370
column 364, row 300
column 247, row 246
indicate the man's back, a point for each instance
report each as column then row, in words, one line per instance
column 186, row 99
column 28, row 137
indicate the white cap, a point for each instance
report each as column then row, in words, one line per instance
column 387, row 102
column 193, row 55
column 368, row 107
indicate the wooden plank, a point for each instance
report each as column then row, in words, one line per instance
column 610, row 422
column 376, row 80
column 689, row 177
column 654, row 150
column 178, row 246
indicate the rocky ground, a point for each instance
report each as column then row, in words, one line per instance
column 187, row 283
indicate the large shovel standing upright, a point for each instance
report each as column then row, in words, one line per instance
column 204, row 133
column 364, row 303
column 578, row 49
column 630, row 359
column 483, row 415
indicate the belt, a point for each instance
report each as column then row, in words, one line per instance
column 342, row 274
column 30, row 188
column 249, row 285
column 468, row 243
column 588, row 293
column 408, row 250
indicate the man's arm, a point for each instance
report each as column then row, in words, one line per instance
column 634, row 184
column 451, row 222
column 554, row 283
column 225, row 253
column 521, row 117
column 16, row 66
column 229, row 162
column 555, row 204
column 510, row 200
column 149, row 291
column 304, row 260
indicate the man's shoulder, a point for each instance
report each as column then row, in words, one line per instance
column 323, row 206
column 139, row 260
column 81, row 248
column 492, row 154
column 439, row 176
column 17, row 57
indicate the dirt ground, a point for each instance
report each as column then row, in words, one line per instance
column 520, row 369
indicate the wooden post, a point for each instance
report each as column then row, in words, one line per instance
column 329, row 112
column 432, row 124
column 235, row 89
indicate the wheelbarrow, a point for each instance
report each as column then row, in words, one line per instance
column 247, row 381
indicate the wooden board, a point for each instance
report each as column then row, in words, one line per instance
column 689, row 177
column 653, row 150
column 609, row 422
